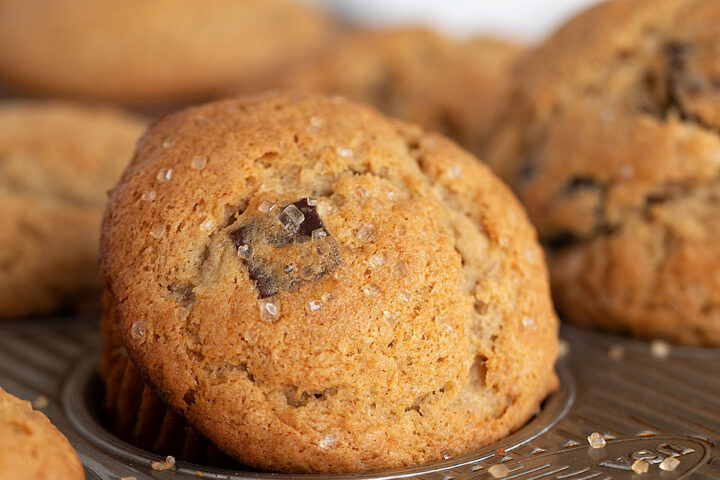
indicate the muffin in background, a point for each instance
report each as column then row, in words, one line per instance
column 151, row 53
column 415, row 74
column 611, row 142
column 57, row 161
column 317, row 288
column 31, row 447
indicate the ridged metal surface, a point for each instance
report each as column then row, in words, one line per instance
column 646, row 406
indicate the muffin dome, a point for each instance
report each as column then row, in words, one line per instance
column 319, row 288
column 455, row 88
column 31, row 447
column 611, row 141
column 57, row 161
column 151, row 53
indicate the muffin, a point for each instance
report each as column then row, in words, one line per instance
column 31, row 447
column 456, row 88
column 150, row 53
column 320, row 289
column 611, row 142
column 136, row 413
column 56, row 163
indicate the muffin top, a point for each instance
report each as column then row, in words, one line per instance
column 57, row 161
column 611, row 141
column 150, row 53
column 318, row 288
column 31, row 447
column 455, row 88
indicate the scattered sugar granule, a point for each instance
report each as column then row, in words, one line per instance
column 528, row 322
column 40, row 402
column 266, row 206
column 166, row 464
column 245, row 252
column 291, row 218
column 563, row 348
column 269, row 309
column 312, row 202
column 401, row 268
column 371, row 290
column 344, row 152
column 149, row 196
column 499, row 471
column 138, row 330
column 616, row 352
column 164, row 174
column 596, row 440
column 157, row 231
column 318, row 234
column 669, row 464
column 327, row 441
column 328, row 297
column 640, row 466
column 198, row 163
column 626, row 171
column 660, row 349
column 366, row 233
column 314, row 305
column 378, row 259
column 454, row 171
column 168, row 142
column 208, row 225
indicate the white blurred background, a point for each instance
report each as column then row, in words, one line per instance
column 520, row 19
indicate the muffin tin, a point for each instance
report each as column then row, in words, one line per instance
column 646, row 404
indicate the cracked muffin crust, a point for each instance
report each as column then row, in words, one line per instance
column 320, row 289
column 455, row 88
column 56, row 162
column 611, row 142
column 31, row 447
column 151, row 54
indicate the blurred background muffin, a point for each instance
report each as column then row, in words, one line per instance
column 56, row 163
column 611, row 141
column 416, row 74
column 31, row 447
column 151, row 53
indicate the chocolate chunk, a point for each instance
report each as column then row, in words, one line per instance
column 280, row 250
column 312, row 220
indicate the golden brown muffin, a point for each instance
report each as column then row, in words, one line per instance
column 135, row 411
column 31, row 447
column 612, row 144
column 318, row 288
column 418, row 75
column 150, row 52
column 56, row 163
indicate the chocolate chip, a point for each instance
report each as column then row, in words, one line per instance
column 280, row 250
column 312, row 220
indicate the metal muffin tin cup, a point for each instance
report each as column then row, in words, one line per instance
column 647, row 408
